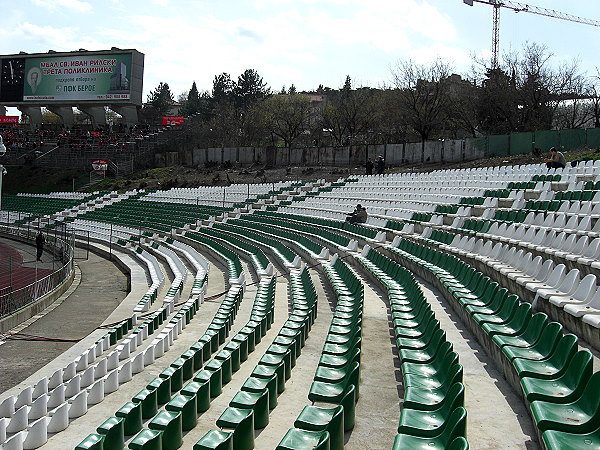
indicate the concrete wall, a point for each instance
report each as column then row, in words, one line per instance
column 436, row 151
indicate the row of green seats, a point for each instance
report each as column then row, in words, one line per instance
column 336, row 380
column 283, row 253
column 320, row 234
column 231, row 259
column 586, row 195
column 546, row 178
column 354, row 230
column 250, row 408
column 257, row 256
column 433, row 413
column 554, row 376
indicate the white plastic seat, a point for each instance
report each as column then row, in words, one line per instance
column 582, row 294
column 521, row 269
column 566, row 246
column 592, row 306
column 553, row 280
column 533, row 272
column 58, row 420
column 567, row 286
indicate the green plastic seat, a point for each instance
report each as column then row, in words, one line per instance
column 113, row 430
column 454, row 427
column 244, row 344
column 241, row 421
column 148, row 399
column 215, row 440
column 186, row 366
column 257, row 385
column 565, row 388
column 258, row 402
column 333, row 392
column 187, row 406
column 163, row 389
column 202, row 392
column 426, row 399
column 429, row 423
column 280, row 350
column 527, row 337
column 92, row 442
column 264, row 371
column 551, row 367
column 214, row 379
column 223, row 365
column 270, row 359
column 131, row 412
column 435, row 349
column 296, row 439
column 169, row 422
column 579, row 416
column 554, row 439
column 147, row 440
column 316, row 418
column 435, row 381
column 514, row 326
column 230, row 358
column 438, row 366
column 542, row 348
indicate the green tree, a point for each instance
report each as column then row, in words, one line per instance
column 192, row 103
column 250, row 88
column 223, row 88
column 159, row 102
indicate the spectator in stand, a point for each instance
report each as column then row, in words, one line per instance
column 369, row 167
column 359, row 215
column 380, row 165
column 556, row 160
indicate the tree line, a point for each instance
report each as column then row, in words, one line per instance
column 526, row 92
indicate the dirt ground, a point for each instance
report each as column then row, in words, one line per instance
column 223, row 175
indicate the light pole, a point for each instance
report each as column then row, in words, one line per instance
column 2, row 169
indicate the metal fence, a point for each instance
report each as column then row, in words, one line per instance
column 60, row 243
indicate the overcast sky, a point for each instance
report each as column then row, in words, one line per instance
column 304, row 42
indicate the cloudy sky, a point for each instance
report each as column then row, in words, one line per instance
column 304, row 42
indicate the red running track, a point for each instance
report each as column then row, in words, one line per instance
column 21, row 276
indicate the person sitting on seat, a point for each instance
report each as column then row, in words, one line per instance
column 556, row 160
column 359, row 215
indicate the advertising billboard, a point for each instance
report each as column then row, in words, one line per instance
column 77, row 78
column 9, row 119
column 69, row 78
column 172, row 120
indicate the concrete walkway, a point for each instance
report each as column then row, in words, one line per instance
column 497, row 417
column 103, row 287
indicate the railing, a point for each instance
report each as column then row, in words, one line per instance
column 60, row 242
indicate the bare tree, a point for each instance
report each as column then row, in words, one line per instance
column 288, row 116
column 423, row 95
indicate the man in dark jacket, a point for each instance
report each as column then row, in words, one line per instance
column 359, row 215
column 40, row 240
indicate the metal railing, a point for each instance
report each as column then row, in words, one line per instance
column 59, row 242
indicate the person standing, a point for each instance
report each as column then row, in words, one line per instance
column 40, row 240
column 369, row 167
column 556, row 160
column 380, row 165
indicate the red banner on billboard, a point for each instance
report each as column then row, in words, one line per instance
column 9, row 119
column 100, row 166
column 172, row 120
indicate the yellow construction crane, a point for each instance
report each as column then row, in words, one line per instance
column 522, row 7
